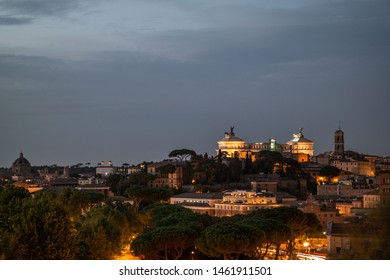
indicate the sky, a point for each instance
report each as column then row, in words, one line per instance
column 130, row 80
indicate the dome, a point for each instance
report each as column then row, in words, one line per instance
column 299, row 138
column 231, row 137
column 21, row 160
column 21, row 166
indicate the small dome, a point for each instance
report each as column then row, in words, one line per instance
column 299, row 138
column 21, row 160
column 231, row 137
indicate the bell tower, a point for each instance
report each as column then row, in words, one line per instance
column 339, row 143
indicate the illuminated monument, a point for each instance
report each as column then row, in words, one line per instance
column 299, row 147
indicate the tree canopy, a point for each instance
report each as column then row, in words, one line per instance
column 182, row 154
column 146, row 193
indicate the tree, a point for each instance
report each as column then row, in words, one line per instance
column 105, row 231
column 182, row 154
column 227, row 239
column 170, row 232
column 166, row 169
column 141, row 178
column 301, row 224
column 153, row 213
column 267, row 233
column 73, row 201
column 235, row 169
column 164, row 243
column 146, row 193
column 329, row 172
column 248, row 168
column 42, row 230
column 11, row 201
column 114, row 182
column 204, row 171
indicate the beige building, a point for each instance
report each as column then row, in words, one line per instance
column 267, row 185
column 162, row 179
column 231, row 145
column 356, row 166
column 381, row 195
column 105, row 168
column 324, row 215
column 300, row 145
column 344, row 190
column 202, row 203
column 344, row 208
column 103, row 189
column 242, row 202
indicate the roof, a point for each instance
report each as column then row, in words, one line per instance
column 300, row 138
column 21, row 160
column 231, row 138
column 200, row 195
column 373, row 192
column 62, row 180
column 196, row 204
column 93, row 186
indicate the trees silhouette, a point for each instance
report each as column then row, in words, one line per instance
column 182, row 154
column 69, row 226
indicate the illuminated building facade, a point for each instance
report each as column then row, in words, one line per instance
column 242, row 202
column 233, row 146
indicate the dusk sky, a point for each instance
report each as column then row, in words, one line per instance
column 128, row 81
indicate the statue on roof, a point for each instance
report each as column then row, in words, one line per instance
column 300, row 134
column 231, row 130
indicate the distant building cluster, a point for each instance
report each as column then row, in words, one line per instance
column 361, row 184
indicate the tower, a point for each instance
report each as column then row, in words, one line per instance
column 339, row 143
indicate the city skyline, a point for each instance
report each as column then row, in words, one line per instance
column 130, row 81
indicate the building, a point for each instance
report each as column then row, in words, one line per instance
column 64, row 182
column 312, row 168
column 105, row 169
column 269, row 185
column 381, row 195
column 346, row 240
column 30, row 186
column 338, row 152
column 358, row 166
column 299, row 147
column 21, row 166
column 348, row 161
column 164, row 177
column 201, row 203
column 242, row 202
column 325, row 215
column 103, row 189
column 344, row 190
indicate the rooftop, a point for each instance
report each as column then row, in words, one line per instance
column 200, row 195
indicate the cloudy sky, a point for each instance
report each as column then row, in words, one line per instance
column 128, row 81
